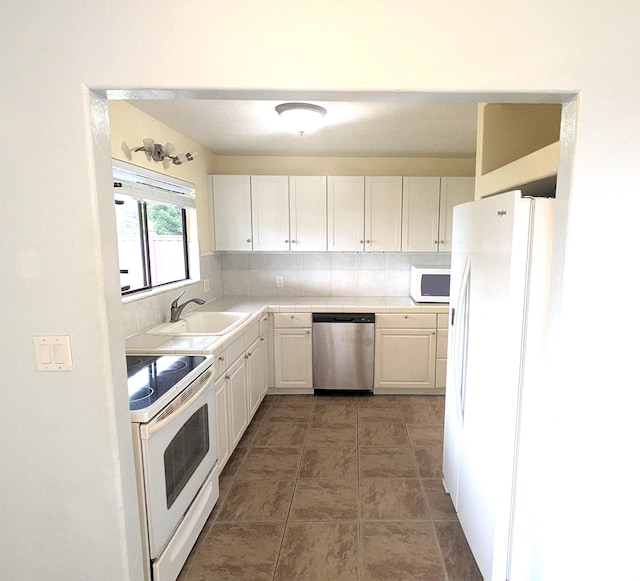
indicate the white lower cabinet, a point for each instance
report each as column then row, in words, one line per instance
column 222, row 422
column 441, row 350
column 256, row 374
column 292, row 351
column 405, row 352
column 237, row 387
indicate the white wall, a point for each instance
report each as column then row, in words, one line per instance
column 68, row 509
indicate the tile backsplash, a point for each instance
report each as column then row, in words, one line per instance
column 323, row 273
column 333, row 274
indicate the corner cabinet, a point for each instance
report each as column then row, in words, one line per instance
column 292, row 352
column 232, row 212
column 405, row 353
column 427, row 211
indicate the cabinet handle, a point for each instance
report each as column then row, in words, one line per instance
column 294, row 242
column 286, row 242
column 441, row 241
column 261, row 338
column 435, row 241
column 227, row 377
column 406, row 316
column 368, row 241
column 248, row 239
column 361, row 241
column 221, row 358
column 308, row 332
column 292, row 316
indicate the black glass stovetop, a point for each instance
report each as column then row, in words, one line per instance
column 149, row 377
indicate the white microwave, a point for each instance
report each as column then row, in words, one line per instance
column 430, row 285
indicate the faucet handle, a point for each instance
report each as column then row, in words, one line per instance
column 175, row 301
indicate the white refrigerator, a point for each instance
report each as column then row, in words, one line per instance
column 500, row 274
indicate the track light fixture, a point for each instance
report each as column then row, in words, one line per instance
column 159, row 152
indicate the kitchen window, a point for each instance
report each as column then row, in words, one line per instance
column 151, row 218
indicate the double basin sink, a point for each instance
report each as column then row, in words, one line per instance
column 202, row 323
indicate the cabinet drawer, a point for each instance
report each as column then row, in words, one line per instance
column 291, row 320
column 264, row 325
column 406, row 321
column 252, row 333
column 220, row 362
column 441, row 347
column 236, row 349
column 443, row 320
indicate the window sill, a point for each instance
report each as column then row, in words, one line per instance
column 159, row 290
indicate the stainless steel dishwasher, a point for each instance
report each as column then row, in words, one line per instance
column 343, row 351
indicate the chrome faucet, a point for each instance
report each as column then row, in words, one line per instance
column 176, row 309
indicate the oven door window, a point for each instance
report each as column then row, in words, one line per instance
column 185, row 452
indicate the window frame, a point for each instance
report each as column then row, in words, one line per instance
column 148, row 186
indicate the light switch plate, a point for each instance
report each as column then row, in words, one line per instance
column 53, row 353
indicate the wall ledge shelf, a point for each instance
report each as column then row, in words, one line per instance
column 537, row 170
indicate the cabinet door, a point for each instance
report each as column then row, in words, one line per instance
column 292, row 358
column 256, row 374
column 232, row 212
column 420, row 211
column 383, row 214
column 222, row 422
column 308, row 213
column 405, row 358
column 345, row 213
column 453, row 191
column 270, row 212
column 237, row 392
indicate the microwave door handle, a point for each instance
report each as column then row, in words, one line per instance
column 147, row 430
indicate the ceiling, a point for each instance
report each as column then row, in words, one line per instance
column 350, row 129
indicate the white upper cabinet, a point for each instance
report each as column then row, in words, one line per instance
column 269, row 212
column 420, row 208
column 232, row 212
column 336, row 213
column 308, row 213
column 345, row 207
column 453, row 191
column 427, row 211
column 383, row 214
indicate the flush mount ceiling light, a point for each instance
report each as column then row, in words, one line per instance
column 301, row 117
column 159, row 152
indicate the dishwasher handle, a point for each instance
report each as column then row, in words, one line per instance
column 344, row 317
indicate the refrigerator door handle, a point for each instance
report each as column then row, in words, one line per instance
column 461, row 340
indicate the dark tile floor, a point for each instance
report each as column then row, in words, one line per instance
column 335, row 488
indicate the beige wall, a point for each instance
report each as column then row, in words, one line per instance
column 409, row 166
column 509, row 131
column 129, row 126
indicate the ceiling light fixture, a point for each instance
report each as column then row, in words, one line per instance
column 159, row 152
column 301, row 117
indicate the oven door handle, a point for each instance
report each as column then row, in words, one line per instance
column 178, row 405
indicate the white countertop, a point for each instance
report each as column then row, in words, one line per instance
column 145, row 343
